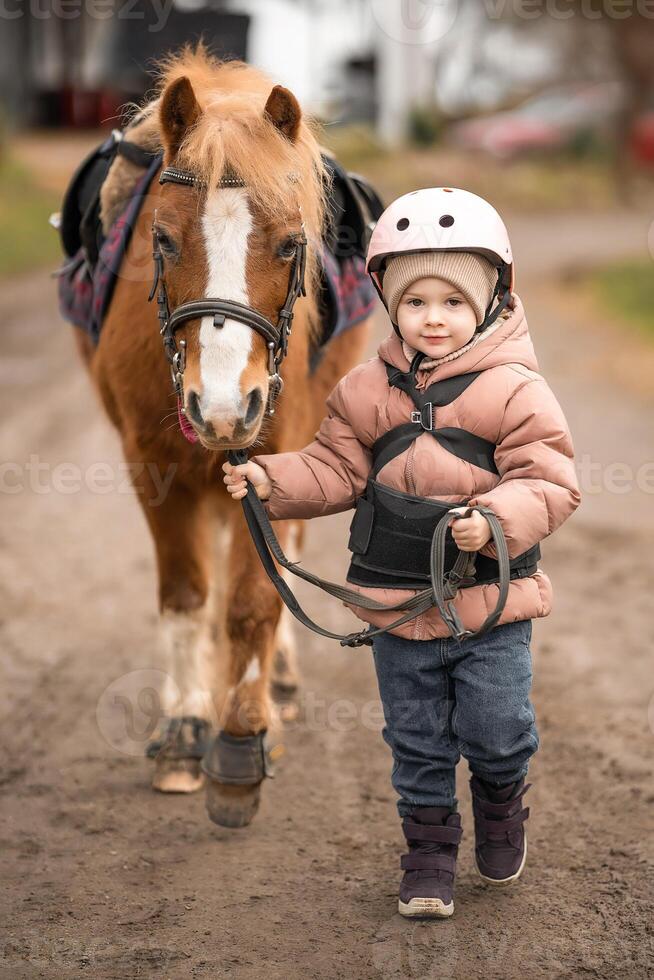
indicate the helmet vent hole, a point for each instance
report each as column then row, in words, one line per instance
column 446, row 221
column 403, row 224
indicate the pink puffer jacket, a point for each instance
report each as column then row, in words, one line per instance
column 510, row 404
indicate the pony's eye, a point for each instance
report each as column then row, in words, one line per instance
column 287, row 249
column 165, row 242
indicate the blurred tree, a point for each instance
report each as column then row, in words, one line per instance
column 633, row 43
column 614, row 37
column 629, row 29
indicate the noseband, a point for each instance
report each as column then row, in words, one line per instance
column 275, row 335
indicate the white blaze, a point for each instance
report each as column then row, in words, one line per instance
column 224, row 352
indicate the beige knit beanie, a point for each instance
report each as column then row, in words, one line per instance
column 473, row 275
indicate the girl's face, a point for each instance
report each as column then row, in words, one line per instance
column 435, row 318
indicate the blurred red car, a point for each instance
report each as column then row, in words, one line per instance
column 548, row 121
column 642, row 140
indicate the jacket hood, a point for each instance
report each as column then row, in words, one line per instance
column 510, row 343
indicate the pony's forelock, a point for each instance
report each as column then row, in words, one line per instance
column 233, row 133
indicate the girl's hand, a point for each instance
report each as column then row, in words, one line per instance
column 470, row 533
column 235, row 480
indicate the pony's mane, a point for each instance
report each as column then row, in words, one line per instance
column 232, row 133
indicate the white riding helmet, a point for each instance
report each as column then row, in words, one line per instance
column 443, row 219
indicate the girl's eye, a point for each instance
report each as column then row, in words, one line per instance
column 454, row 302
column 415, row 302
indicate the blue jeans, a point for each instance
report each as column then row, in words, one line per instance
column 443, row 699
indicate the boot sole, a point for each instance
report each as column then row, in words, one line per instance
column 425, row 908
column 503, row 882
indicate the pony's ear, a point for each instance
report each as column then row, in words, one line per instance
column 283, row 111
column 179, row 111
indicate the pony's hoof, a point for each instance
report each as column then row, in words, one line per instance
column 177, row 776
column 177, row 755
column 232, row 806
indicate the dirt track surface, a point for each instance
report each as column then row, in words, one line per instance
column 104, row 879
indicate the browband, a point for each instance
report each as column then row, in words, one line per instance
column 172, row 175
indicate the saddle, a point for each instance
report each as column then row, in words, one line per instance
column 93, row 257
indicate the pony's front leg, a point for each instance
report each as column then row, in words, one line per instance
column 182, row 525
column 238, row 759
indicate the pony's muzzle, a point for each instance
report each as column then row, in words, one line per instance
column 226, row 426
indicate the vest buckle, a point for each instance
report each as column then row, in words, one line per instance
column 424, row 416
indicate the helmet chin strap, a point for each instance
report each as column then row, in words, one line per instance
column 492, row 317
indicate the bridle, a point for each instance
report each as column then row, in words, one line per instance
column 275, row 335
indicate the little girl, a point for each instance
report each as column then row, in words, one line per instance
column 489, row 432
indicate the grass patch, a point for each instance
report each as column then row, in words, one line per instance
column 356, row 145
column 26, row 239
column 627, row 291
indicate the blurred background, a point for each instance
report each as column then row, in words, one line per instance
column 544, row 105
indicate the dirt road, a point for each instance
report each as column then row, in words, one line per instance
column 101, row 878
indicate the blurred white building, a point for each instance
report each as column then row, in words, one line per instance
column 346, row 60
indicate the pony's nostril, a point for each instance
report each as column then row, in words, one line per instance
column 193, row 408
column 255, row 401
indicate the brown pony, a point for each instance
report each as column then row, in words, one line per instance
column 223, row 631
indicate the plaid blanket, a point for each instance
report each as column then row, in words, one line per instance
column 85, row 293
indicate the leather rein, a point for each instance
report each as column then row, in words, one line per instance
column 441, row 592
column 275, row 336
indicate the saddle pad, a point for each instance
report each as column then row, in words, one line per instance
column 85, row 294
column 347, row 297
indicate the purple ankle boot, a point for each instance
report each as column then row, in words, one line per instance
column 500, row 835
column 433, row 834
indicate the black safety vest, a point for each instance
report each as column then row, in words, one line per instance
column 391, row 532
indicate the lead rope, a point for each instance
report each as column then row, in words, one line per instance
column 444, row 588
